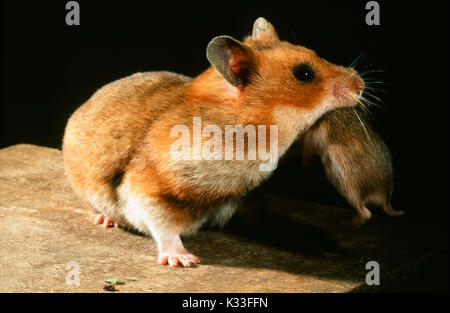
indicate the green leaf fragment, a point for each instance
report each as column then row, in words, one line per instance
column 119, row 280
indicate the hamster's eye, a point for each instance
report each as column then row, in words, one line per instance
column 304, row 73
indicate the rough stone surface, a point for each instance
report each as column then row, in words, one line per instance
column 45, row 226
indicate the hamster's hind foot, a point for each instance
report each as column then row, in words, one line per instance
column 172, row 252
column 361, row 217
column 107, row 222
column 173, row 259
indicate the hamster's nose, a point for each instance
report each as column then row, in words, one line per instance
column 342, row 87
column 359, row 85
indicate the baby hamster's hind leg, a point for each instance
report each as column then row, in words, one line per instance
column 381, row 200
column 362, row 216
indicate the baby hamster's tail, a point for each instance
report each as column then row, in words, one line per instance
column 384, row 203
column 391, row 212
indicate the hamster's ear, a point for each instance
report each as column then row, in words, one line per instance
column 264, row 31
column 231, row 59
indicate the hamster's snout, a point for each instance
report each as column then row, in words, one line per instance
column 347, row 89
column 359, row 85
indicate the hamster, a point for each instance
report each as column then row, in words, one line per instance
column 355, row 159
column 118, row 146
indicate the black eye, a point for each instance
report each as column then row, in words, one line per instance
column 304, row 73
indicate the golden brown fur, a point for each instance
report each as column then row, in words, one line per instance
column 116, row 145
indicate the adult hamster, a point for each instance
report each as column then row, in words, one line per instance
column 118, row 146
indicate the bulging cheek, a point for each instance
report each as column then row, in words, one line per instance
column 315, row 95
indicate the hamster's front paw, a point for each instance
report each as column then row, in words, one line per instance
column 107, row 222
column 174, row 258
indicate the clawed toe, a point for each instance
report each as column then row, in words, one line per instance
column 107, row 222
column 173, row 260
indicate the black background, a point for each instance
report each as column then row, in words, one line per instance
column 49, row 69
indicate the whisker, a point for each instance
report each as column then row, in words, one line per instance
column 372, row 78
column 371, row 103
column 347, row 72
column 374, row 89
column 371, row 71
column 371, row 84
column 374, row 81
column 356, row 61
column 362, row 124
column 372, row 96
column 362, row 105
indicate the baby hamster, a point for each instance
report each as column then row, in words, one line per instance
column 356, row 161
column 118, row 145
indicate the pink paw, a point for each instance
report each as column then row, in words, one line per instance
column 173, row 259
column 102, row 219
